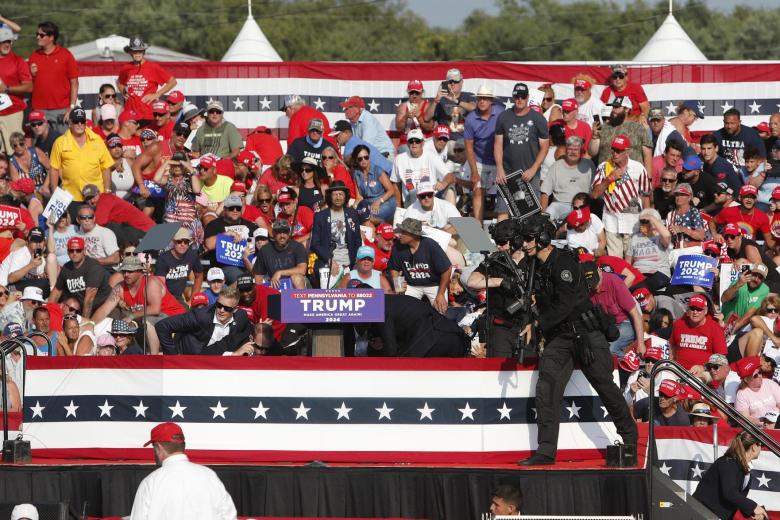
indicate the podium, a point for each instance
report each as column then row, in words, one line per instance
column 326, row 311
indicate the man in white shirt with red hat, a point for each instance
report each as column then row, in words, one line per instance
column 179, row 488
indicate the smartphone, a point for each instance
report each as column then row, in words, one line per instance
column 445, row 86
column 596, row 118
column 746, row 268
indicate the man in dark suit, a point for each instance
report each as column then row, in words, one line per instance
column 215, row 329
column 413, row 328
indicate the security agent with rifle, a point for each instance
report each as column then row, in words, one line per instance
column 574, row 330
column 507, row 312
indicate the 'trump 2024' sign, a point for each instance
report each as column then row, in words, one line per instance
column 333, row 306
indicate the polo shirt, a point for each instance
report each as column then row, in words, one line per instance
column 13, row 71
column 51, row 84
column 614, row 297
column 80, row 165
column 370, row 129
column 483, row 133
column 633, row 91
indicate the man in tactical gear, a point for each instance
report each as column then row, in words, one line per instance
column 573, row 330
column 505, row 314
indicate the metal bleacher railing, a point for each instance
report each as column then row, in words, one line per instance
column 727, row 409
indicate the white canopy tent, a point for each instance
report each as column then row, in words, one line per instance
column 250, row 44
column 670, row 44
column 111, row 48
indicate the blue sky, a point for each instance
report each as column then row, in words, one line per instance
column 450, row 13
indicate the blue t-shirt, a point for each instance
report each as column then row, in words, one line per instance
column 722, row 171
column 423, row 268
column 483, row 133
column 733, row 147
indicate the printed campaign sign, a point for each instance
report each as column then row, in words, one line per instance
column 155, row 190
column 728, row 275
column 333, row 306
column 229, row 252
column 58, row 204
column 694, row 270
column 9, row 217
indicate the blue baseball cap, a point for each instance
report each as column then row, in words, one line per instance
column 363, row 210
column 694, row 106
column 692, row 162
column 365, row 252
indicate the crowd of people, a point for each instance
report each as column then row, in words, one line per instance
column 352, row 203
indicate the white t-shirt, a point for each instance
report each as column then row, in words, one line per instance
column 430, row 147
column 437, row 217
column 590, row 108
column 15, row 261
column 589, row 239
column 410, row 171
column 100, row 242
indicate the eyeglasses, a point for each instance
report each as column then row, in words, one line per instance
column 75, row 250
column 42, row 35
column 214, row 111
column 36, row 124
column 225, row 308
column 414, row 141
column 181, row 241
column 618, row 75
column 669, row 181
column 362, row 158
column 110, row 96
column 264, row 201
column 86, row 217
column 425, row 196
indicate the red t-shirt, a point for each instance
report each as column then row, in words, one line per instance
column 694, row 345
column 141, row 80
column 633, row 91
column 51, row 83
column 340, row 173
column 13, row 71
column 266, row 145
column 750, row 223
column 299, row 123
column 132, row 144
column 251, row 213
column 582, row 131
column 613, row 264
column 164, row 132
column 304, row 220
column 55, row 316
column 272, row 182
column 111, row 208
column 381, row 258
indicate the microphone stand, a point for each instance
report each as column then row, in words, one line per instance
column 330, row 262
column 488, row 320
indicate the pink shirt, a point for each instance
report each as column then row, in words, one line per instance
column 614, row 297
column 756, row 404
column 659, row 163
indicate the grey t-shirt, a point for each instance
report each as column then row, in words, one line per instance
column 563, row 182
column 338, row 236
column 521, row 138
column 219, row 141
column 649, row 255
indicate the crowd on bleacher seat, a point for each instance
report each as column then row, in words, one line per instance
column 352, row 203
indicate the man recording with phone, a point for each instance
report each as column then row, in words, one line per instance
column 505, row 309
column 451, row 104
column 574, row 330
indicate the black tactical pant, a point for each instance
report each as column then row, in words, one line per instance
column 502, row 339
column 555, row 368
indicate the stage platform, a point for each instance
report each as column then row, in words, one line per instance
column 340, row 490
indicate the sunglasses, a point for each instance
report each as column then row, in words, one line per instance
column 214, row 111
column 148, row 139
column 328, row 157
column 181, row 241
column 36, row 124
column 412, row 141
column 79, row 121
column 362, row 158
column 160, row 114
column 644, row 221
column 73, row 317
column 578, row 207
column 548, row 99
column 225, row 308
column 669, row 181
column 264, row 201
column 425, row 196
column 131, row 253
column 4, row 293
column 615, row 150
column 86, row 217
column 112, row 146
column 42, row 35
column 694, row 309
column 414, row 92
column 234, row 208
column 308, row 170
column 618, row 75
column 459, row 150
column 75, row 250
column 712, row 255
column 771, row 309
column 443, row 138
column 182, row 134
column 502, row 242
column 109, row 96
column 73, row 309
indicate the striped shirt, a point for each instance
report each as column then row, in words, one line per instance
column 623, row 195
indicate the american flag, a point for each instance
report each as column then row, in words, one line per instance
column 685, row 453
column 338, row 410
column 253, row 93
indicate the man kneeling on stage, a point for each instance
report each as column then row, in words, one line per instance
column 574, row 329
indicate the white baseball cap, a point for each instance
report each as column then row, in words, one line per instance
column 33, row 293
column 215, row 273
column 24, row 512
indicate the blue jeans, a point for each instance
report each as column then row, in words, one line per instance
column 627, row 337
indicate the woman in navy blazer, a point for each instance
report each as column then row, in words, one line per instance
column 724, row 487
